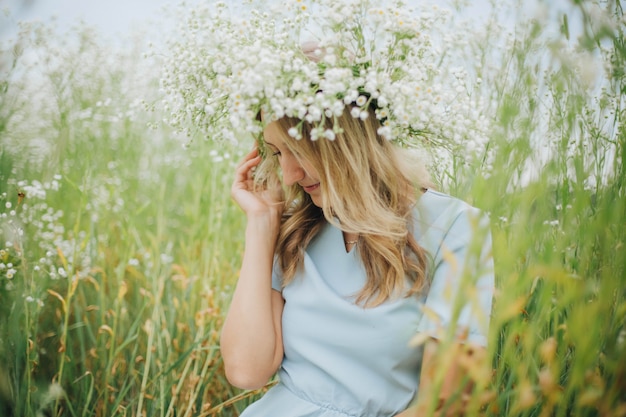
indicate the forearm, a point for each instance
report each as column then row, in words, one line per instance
column 250, row 338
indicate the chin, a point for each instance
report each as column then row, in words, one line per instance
column 317, row 200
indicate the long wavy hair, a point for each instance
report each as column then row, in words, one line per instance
column 369, row 187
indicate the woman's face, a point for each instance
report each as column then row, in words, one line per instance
column 295, row 170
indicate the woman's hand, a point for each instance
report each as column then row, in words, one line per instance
column 261, row 201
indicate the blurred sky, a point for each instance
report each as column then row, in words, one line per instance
column 123, row 17
column 114, row 17
column 110, row 17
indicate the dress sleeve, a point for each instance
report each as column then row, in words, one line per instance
column 458, row 302
column 277, row 277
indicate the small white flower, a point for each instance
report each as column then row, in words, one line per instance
column 361, row 101
column 551, row 223
column 61, row 271
column 8, row 205
column 385, row 132
column 293, row 132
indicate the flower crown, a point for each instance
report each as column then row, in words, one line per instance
column 375, row 61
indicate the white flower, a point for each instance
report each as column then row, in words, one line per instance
column 293, row 132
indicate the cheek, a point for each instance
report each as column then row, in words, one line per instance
column 312, row 172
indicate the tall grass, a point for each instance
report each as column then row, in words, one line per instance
column 120, row 248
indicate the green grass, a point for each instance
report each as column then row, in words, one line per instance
column 150, row 242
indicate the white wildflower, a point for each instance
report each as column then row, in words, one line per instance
column 293, row 132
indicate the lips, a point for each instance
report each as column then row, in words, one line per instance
column 310, row 188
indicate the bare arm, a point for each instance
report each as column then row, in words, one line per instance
column 454, row 385
column 251, row 338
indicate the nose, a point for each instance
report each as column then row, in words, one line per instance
column 292, row 169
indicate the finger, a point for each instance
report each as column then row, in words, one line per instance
column 244, row 171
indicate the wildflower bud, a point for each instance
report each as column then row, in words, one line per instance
column 547, row 350
column 293, row 132
column 526, row 397
column 546, row 381
column 329, row 134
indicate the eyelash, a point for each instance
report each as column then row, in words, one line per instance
column 277, row 153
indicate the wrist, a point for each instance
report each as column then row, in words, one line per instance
column 262, row 228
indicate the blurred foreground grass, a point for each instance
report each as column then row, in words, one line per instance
column 119, row 248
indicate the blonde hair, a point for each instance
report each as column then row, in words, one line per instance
column 369, row 186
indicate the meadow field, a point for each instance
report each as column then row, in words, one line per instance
column 120, row 245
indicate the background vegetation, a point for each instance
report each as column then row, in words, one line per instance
column 119, row 248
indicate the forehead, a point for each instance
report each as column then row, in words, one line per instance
column 274, row 135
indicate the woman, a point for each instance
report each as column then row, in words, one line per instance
column 344, row 264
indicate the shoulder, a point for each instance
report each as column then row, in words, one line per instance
column 438, row 216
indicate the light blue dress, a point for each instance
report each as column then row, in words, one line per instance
column 342, row 359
